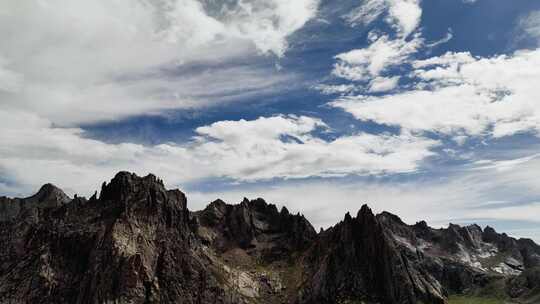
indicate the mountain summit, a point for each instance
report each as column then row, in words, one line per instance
column 138, row 243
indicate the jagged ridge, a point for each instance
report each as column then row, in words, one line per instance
column 138, row 243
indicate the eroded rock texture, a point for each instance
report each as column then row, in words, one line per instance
column 138, row 243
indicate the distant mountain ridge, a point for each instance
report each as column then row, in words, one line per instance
column 139, row 243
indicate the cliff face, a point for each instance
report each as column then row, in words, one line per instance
column 132, row 245
column 256, row 227
column 138, row 243
column 358, row 260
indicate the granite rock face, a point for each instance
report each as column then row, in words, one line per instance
column 359, row 260
column 138, row 243
column 132, row 245
column 254, row 226
column 48, row 197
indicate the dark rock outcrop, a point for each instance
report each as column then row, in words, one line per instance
column 133, row 245
column 526, row 286
column 138, row 243
column 254, row 226
column 48, row 197
column 358, row 260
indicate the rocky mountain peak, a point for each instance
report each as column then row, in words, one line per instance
column 254, row 226
column 50, row 192
column 139, row 243
column 365, row 211
column 421, row 225
column 125, row 184
column 367, row 218
column 48, row 196
column 358, row 259
column 284, row 211
column 390, row 217
column 347, row 218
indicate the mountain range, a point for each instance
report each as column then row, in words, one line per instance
column 138, row 242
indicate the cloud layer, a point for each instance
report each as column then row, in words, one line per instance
column 457, row 94
column 403, row 15
column 76, row 62
column 261, row 149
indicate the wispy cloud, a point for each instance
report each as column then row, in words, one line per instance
column 529, row 27
column 261, row 149
column 368, row 63
column 405, row 15
column 448, row 37
column 461, row 95
column 76, row 62
column 366, row 13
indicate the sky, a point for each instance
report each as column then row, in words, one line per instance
column 427, row 109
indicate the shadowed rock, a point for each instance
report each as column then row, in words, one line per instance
column 138, row 243
column 48, row 196
column 358, row 259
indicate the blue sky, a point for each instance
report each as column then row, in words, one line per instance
column 427, row 109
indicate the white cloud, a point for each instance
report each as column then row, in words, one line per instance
column 504, row 165
column 262, row 149
column 10, row 81
column 447, row 110
column 406, row 14
column 444, row 40
column 71, row 105
column 383, row 84
column 335, row 89
column 448, row 59
column 403, row 15
column 84, row 62
column 530, row 25
column 251, row 150
column 364, row 64
column 369, row 64
column 475, row 96
column 268, row 23
column 366, row 13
